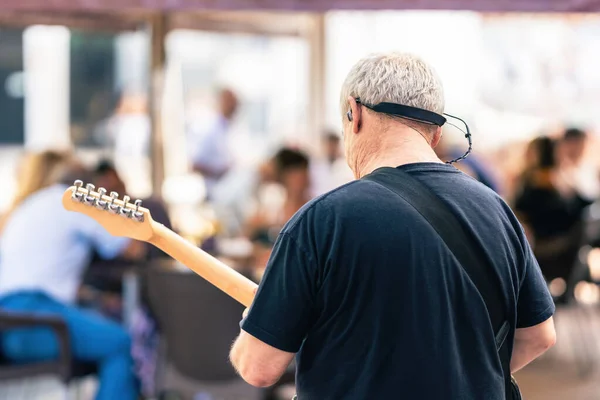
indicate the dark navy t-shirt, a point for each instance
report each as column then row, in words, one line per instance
column 361, row 286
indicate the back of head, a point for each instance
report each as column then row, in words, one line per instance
column 544, row 147
column 574, row 134
column 572, row 146
column 331, row 137
column 399, row 78
column 331, row 146
column 104, row 166
column 107, row 176
column 228, row 103
column 287, row 159
column 540, row 154
column 292, row 172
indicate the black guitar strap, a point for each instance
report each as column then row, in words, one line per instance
column 465, row 248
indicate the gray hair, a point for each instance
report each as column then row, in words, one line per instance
column 399, row 78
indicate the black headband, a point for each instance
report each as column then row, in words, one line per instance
column 400, row 110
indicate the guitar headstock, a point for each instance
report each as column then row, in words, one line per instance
column 118, row 217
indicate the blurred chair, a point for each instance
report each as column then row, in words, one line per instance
column 64, row 368
column 198, row 324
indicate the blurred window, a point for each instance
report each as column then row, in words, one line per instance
column 11, row 87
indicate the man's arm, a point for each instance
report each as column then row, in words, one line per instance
column 258, row 363
column 532, row 342
column 534, row 332
column 280, row 316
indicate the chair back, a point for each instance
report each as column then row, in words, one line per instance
column 198, row 321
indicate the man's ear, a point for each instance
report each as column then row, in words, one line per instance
column 356, row 113
column 437, row 136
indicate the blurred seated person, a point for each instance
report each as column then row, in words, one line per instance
column 44, row 251
column 331, row 170
column 236, row 197
column 106, row 176
column 550, row 208
column 106, row 275
column 293, row 174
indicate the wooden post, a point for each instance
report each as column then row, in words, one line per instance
column 316, row 39
column 158, row 31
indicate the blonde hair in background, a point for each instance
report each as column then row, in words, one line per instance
column 39, row 170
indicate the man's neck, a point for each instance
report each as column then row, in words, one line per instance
column 408, row 151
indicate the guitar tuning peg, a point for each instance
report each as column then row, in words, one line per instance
column 76, row 195
column 137, row 214
column 88, row 198
column 101, row 203
column 124, row 210
column 112, row 207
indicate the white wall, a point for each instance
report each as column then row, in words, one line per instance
column 46, row 52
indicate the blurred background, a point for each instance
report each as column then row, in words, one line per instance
column 226, row 122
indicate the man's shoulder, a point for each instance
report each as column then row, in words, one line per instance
column 353, row 197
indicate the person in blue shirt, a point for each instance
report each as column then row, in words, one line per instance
column 361, row 290
column 208, row 142
column 43, row 252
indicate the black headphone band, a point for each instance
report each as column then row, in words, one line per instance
column 400, row 110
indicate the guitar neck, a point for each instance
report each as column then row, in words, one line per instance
column 208, row 267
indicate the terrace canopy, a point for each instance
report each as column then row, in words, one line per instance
column 301, row 18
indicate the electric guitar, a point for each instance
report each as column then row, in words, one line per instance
column 122, row 218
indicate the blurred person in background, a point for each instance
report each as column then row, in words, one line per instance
column 208, row 141
column 238, row 195
column 292, row 171
column 127, row 133
column 572, row 165
column 330, row 170
column 550, row 208
column 129, row 129
column 44, row 251
column 107, row 176
column 103, row 277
